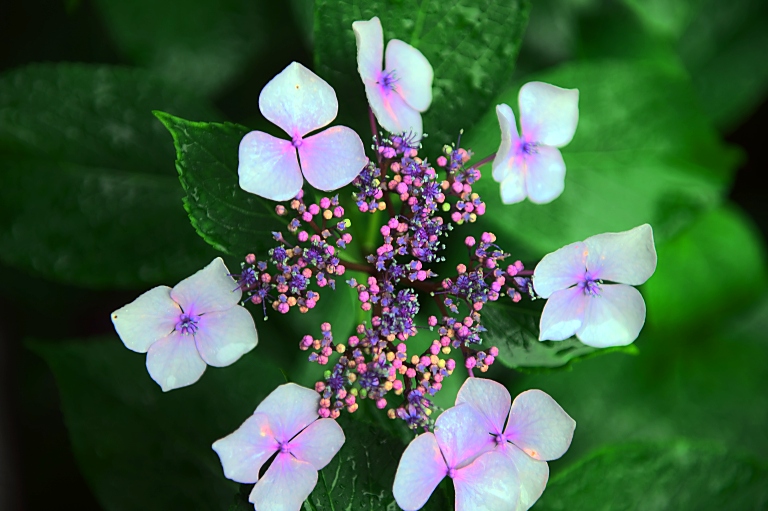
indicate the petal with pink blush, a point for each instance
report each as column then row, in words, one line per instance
column 391, row 110
column 290, row 408
column 298, row 101
column 318, row 443
column 174, row 362
column 420, row 470
column 412, row 72
column 149, row 317
column 269, row 167
column 613, row 318
column 285, row 486
column 243, row 452
column 223, row 337
column 532, row 476
column 503, row 163
column 560, row 269
column 209, row 290
column 461, row 435
column 513, row 186
column 370, row 47
column 487, row 484
column 627, row 257
column 545, row 175
column 539, row 426
column 563, row 314
column 332, row 158
column 548, row 114
column 489, row 398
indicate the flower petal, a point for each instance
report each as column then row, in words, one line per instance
column 461, row 435
column 318, row 443
column 146, row 319
column 174, row 362
column 539, row 426
column 285, row 486
column 548, row 114
column 513, row 186
column 545, row 175
column 627, row 257
column 391, row 110
column 563, row 314
column 223, row 337
column 532, row 476
column 420, row 470
column 614, row 318
column 487, row 484
column 370, row 47
column 412, row 72
column 332, row 158
column 290, row 408
column 244, row 451
column 209, row 290
column 298, row 101
column 269, row 167
column 491, row 399
column 505, row 161
column 560, row 269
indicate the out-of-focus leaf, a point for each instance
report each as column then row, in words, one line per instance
column 514, row 330
column 471, row 45
column 200, row 45
column 659, row 476
column 140, row 448
column 643, row 152
column 88, row 194
column 226, row 216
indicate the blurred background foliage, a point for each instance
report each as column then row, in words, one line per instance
column 673, row 115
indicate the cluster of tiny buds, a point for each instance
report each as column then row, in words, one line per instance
column 283, row 279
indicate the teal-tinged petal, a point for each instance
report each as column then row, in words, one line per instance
column 613, row 318
column 223, row 337
column 548, row 114
column 563, row 315
column 513, row 186
column 243, row 452
column 420, row 470
column 412, row 72
column 544, row 175
column 506, row 161
column 148, row 318
column 560, row 269
column 174, row 362
column 461, row 435
column 391, row 110
column 487, row 484
column 318, row 443
column 627, row 257
column 531, row 474
column 370, row 47
column 489, row 398
column 269, row 167
column 332, row 158
column 290, row 409
column 209, row 290
column 285, row 486
column 539, row 426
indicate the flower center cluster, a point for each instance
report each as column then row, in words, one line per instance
column 527, row 148
column 187, row 324
column 387, row 80
column 590, row 286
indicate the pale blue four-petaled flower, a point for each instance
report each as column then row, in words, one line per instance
column 286, row 423
column 589, row 288
column 198, row 322
column 399, row 91
column 530, row 164
column 299, row 102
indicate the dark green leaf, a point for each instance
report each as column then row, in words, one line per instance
column 643, row 152
column 471, row 45
column 656, row 477
column 140, row 448
column 514, row 330
column 226, row 216
column 189, row 42
column 88, row 194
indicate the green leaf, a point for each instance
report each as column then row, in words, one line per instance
column 514, row 330
column 663, row 476
column 226, row 216
column 471, row 45
column 643, row 152
column 205, row 44
column 87, row 194
column 140, row 448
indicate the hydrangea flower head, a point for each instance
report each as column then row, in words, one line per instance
column 529, row 164
column 589, row 288
column 483, row 479
column 400, row 91
column 286, row 423
column 537, row 430
column 198, row 322
column 299, row 101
